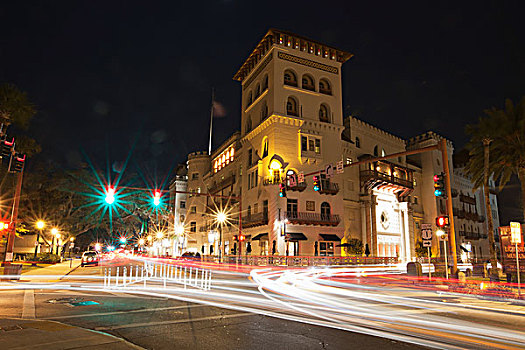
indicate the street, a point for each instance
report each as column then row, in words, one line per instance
column 268, row 308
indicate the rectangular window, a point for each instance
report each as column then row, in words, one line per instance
column 255, row 208
column 250, row 152
column 310, row 205
column 256, row 177
column 249, row 181
column 326, row 248
column 195, row 176
column 193, row 226
column 350, row 185
column 182, row 204
column 193, row 209
column 291, row 207
column 304, row 143
column 311, row 145
column 317, row 146
column 416, row 200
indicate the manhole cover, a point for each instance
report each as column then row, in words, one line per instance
column 85, row 303
column 73, row 301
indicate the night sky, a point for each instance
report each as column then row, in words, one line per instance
column 105, row 75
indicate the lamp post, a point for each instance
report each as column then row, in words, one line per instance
column 54, row 233
column 221, row 219
column 71, row 244
column 40, row 226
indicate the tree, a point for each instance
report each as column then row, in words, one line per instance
column 497, row 150
column 354, row 246
column 16, row 110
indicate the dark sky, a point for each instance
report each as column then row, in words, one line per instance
column 106, row 73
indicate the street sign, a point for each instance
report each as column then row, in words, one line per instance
column 340, row 167
column 426, row 235
column 329, row 171
column 515, row 233
column 300, row 177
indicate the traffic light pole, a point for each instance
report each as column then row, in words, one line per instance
column 452, row 232
column 8, row 257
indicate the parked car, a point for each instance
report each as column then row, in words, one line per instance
column 90, row 258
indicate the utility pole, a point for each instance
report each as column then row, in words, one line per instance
column 14, row 217
column 452, row 231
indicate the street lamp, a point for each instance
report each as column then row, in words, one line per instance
column 40, row 226
column 443, row 237
column 159, row 235
column 221, row 219
column 141, row 241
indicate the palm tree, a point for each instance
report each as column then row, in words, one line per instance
column 497, row 149
column 478, row 167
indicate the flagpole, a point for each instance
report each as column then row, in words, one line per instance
column 211, row 118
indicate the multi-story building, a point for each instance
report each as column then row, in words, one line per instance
column 292, row 124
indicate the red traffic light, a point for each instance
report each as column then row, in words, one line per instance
column 242, row 237
column 442, row 221
column 4, row 225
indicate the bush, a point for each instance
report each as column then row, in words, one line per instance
column 354, row 247
column 48, row 258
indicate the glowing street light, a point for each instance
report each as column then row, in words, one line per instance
column 142, row 241
column 40, row 224
column 122, row 239
column 159, row 235
column 72, row 239
column 150, row 238
column 179, row 230
column 98, row 246
column 221, row 219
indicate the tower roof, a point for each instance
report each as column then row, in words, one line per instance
column 276, row 36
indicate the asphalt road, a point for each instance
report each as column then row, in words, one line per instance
column 235, row 313
column 162, row 323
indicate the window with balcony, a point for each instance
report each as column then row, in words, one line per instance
column 290, row 78
column 308, row 83
column 291, row 207
column 325, row 211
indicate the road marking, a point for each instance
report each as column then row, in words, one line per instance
column 124, row 312
column 148, row 324
column 28, row 308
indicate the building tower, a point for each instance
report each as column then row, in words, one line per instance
column 291, row 123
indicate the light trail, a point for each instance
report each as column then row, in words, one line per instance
column 325, row 297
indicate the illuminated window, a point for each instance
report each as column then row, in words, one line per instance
column 317, row 146
column 225, row 158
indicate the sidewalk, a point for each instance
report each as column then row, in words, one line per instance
column 38, row 334
column 58, row 270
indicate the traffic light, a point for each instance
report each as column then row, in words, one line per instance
column 110, row 195
column 317, row 187
column 17, row 163
column 242, row 238
column 442, row 221
column 4, row 225
column 439, row 185
column 282, row 190
column 235, row 237
column 6, row 147
column 156, row 198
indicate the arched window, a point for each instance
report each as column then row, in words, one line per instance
column 249, row 100
column 264, row 111
column 357, row 142
column 325, row 87
column 257, row 90
column 290, row 78
column 383, row 153
column 291, row 107
column 308, row 83
column 376, row 152
column 325, row 211
column 265, row 83
column 248, row 124
column 324, row 114
column 264, row 147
